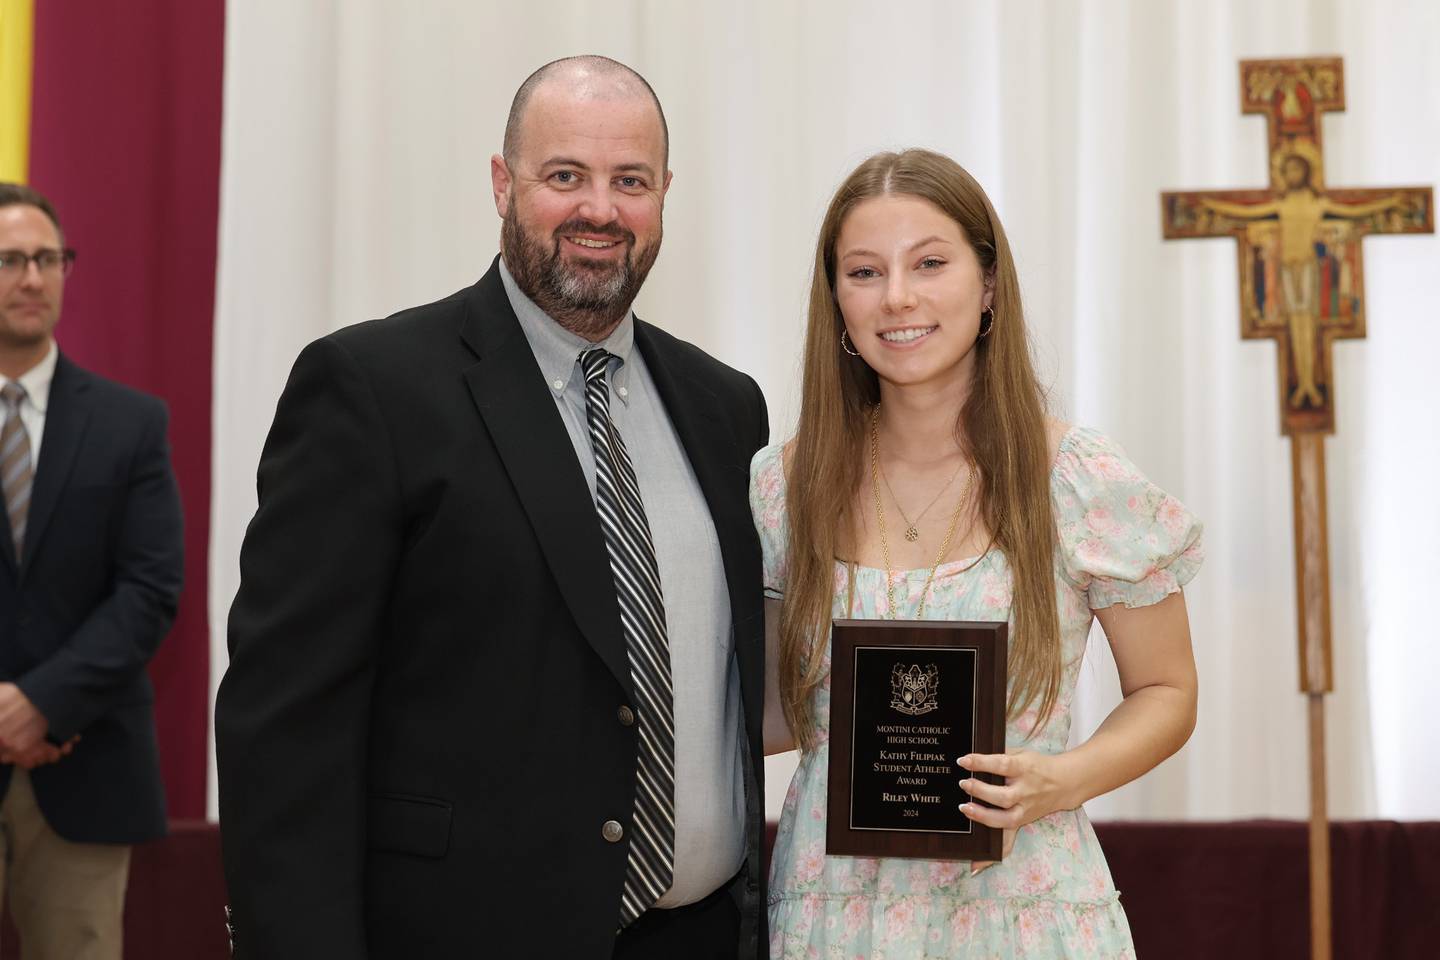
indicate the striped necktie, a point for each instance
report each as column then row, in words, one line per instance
column 16, row 472
column 651, row 866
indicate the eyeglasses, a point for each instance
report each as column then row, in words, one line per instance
column 14, row 263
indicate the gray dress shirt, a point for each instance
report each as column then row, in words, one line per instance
column 709, row 778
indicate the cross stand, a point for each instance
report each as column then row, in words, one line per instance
column 1301, row 285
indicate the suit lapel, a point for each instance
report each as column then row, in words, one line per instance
column 66, row 416
column 519, row 413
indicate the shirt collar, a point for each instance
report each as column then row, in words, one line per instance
column 557, row 350
column 36, row 380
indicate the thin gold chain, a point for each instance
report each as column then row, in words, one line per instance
column 880, row 517
column 912, row 532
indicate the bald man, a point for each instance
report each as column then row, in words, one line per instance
column 496, row 665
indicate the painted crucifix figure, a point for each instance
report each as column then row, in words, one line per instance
column 1301, row 281
column 1301, row 284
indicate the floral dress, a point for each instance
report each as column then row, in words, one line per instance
column 1121, row 540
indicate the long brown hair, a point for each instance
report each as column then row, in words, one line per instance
column 1001, row 426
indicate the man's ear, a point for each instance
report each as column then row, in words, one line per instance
column 500, row 181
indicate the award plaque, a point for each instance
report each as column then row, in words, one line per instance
column 908, row 698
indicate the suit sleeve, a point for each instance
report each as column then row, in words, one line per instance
column 762, row 416
column 291, row 717
column 79, row 682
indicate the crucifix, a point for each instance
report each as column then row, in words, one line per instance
column 1301, row 286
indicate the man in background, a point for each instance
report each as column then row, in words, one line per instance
column 90, row 573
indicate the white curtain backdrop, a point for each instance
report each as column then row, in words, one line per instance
column 355, row 182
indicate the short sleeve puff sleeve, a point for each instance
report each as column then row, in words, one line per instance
column 1122, row 539
column 767, row 507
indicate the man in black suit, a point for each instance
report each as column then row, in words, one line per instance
column 90, row 571
column 496, row 669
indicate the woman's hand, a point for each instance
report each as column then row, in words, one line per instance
column 1157, row 677
column 1034, row 788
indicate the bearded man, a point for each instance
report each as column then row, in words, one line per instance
column 496, row 670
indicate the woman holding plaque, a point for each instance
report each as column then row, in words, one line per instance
column 925, row 481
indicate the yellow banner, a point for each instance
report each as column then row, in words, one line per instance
column 17, row 33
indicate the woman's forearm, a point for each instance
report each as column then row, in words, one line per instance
column 1145, row 728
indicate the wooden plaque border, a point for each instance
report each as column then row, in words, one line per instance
column 989, row 641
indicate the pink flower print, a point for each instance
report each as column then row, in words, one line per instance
column 1001, row 880
column 842, row 579
column 995, row 590
column 1071, row 835
column 1110, row 467
column 1091, row 553
column 1029, row 934
column 962, row 923
column 1133, row 503
column 793, row 794
column 856, row 913
column 945, row 873
column 919, row 877
column 1032, row 923
column 811, row 863
column 1097, row 883
column 1101, row 522
column 1172, row 516
column 768, row 480
column 1035, row 876
column 882, row 598
column 863, row 872
column 899, row 919
column 1024, row 725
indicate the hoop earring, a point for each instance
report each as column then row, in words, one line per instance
column 985, row 331
column 845, row 344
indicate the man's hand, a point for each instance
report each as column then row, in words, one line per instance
column 39, row 755
column 22, row 727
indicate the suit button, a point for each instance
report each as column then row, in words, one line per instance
column 626, row 715
column 612, row 831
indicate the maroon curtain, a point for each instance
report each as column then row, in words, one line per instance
column 125, row 139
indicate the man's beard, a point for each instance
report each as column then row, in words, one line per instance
column 586, row 297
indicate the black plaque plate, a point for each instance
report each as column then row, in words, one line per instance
column 907, row 699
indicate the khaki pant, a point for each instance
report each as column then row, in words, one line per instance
column 68, row 899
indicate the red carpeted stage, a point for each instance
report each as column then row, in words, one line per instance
column 1192, row 890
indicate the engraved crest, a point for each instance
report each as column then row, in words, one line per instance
column 913, row 691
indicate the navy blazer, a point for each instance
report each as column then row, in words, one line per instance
column 418, row 735
column 85, row 608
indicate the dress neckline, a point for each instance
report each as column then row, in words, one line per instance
column 1067, row 439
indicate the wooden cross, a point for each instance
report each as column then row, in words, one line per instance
column 1301, row 285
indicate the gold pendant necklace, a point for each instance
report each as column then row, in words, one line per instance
column 912, row 533
column 880, row 517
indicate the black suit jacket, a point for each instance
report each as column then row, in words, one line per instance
column 91, row 600
column 418, row 734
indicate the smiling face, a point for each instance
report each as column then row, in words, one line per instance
column 910, row 290
column 582, row 199
column 29, row 302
